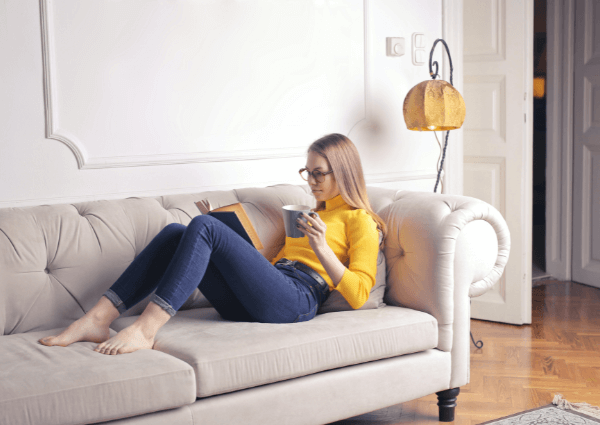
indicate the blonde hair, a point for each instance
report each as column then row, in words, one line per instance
column 347, row 169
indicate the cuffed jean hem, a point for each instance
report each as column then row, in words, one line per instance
column 116, row 300
column 163, row 304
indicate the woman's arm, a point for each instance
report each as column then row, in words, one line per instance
column 334, row 267
column 356, row 281
column 363, row 239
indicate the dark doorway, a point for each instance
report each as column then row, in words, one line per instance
column 539, row 143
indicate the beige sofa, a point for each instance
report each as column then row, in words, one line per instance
column 56, row 261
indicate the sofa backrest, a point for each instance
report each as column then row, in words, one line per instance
column 57, row 260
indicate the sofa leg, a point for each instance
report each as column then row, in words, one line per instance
column 447, row 403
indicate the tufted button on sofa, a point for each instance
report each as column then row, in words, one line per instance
column 56, row 261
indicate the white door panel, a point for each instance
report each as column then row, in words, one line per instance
column 498, row 139
column 586, row 144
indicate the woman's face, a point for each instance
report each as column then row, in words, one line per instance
column 328, row 188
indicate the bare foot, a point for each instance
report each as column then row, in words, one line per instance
column 87, row 328
column 130, row 339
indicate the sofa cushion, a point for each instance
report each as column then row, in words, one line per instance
column 228, row 356
column 76, row 385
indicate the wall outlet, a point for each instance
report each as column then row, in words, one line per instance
column 395, row 46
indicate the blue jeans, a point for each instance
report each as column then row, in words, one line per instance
column 239, row 282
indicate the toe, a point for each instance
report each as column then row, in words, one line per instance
column 47, row 340
column 124, row 349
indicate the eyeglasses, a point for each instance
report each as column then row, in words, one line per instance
column 317, row 175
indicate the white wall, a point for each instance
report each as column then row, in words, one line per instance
column 102, row 100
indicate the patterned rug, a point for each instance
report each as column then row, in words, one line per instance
column 561, row 412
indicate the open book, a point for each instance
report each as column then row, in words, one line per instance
column 236, row 218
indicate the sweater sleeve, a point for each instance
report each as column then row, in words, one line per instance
column 359, row 277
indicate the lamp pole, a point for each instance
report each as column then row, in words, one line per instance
column 433, row 77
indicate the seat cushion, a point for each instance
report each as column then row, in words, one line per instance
column 228, row 356
column 76, row 385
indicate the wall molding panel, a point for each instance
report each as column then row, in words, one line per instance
column 151, row 97
column 188, row 158
column 164, row 130
column 52, row 130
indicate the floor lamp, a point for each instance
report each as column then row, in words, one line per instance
column 435, row 105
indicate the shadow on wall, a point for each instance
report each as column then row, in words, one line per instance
column 376, row 129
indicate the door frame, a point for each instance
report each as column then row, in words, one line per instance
column 452, row 33
column 560, row 43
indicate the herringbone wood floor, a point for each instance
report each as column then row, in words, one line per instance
column 522, row 367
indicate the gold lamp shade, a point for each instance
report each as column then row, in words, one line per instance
column 434, row 105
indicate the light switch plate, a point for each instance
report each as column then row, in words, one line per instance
column 419, row 40
column 418, row 57
column 395, row 46
column 418, row 48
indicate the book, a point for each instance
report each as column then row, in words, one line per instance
column 236, row 218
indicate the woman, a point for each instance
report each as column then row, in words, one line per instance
column 238, row 281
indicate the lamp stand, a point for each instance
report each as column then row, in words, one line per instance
column 433, row 75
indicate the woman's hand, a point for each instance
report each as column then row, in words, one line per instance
column 315, row 229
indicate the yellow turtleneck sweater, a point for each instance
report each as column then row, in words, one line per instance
column 353, row 237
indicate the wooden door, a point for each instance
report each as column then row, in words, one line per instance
column 586, row 144
column 498, row 139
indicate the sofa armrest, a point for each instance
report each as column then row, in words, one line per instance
column 440, row 250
